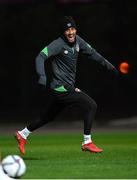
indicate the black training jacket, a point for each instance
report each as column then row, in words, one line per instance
column 64, row 61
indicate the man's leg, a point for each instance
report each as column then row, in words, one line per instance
column 52, row 108
column 88, row 108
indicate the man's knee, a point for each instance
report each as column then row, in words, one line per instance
column 89, row 106
column 92, row 106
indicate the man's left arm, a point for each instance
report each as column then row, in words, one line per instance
column 104, row 62
column 94, row 55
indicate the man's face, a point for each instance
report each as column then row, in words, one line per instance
column 70, row 34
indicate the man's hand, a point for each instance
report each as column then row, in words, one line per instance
column 77, row 90
column 115, row 71
column 42, row 80
column 111, row 68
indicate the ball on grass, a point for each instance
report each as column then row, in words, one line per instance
column 14, row 166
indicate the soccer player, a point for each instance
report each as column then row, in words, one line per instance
column 62, row 92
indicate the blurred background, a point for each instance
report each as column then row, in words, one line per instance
column 27, row 26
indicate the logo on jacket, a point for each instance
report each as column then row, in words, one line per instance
column 69, row 25
column 65, row 52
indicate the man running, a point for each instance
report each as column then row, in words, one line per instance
column 62, row 92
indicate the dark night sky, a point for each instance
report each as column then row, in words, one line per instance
column 109, row 26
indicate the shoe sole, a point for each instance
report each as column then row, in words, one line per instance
column 90, row 150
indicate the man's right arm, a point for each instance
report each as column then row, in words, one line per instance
column 51, row 50
column 40, row 68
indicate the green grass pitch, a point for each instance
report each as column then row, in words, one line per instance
column 59, row 156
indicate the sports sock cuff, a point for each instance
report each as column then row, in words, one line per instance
column 87, row 139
